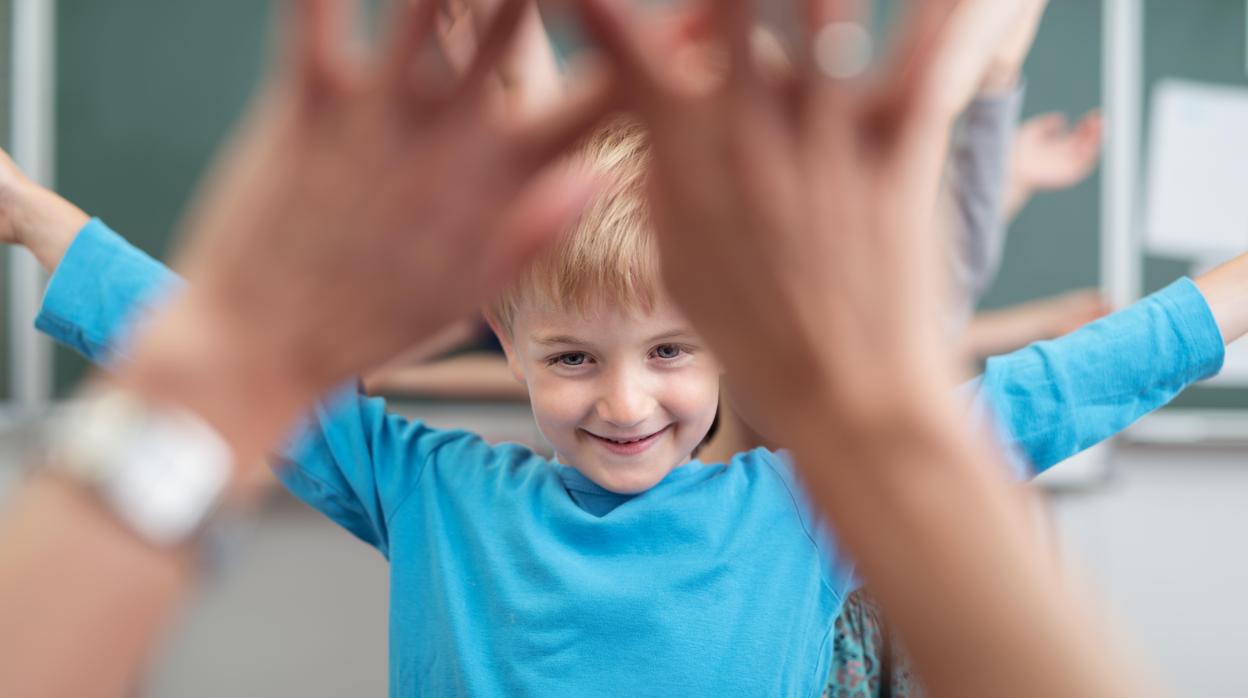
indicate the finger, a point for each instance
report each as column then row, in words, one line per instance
column 913, row 54
column 635, row 59
column 545, row 137
column 531, row 72
column 837, row 51
column 834, row 56
column 315, row 36
column 1091, row 126
column 770, row 55
column 948, row 49
column 695, row 24
column 458, row 41
column 478, row 12
column 411, row 24
column 1048, row 124
column 496, row 40
column 733, row 20
column 817, row 15
column 907, row 113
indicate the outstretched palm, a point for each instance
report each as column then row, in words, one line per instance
column 381, row 199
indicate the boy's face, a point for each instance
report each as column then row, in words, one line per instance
column 623, row 398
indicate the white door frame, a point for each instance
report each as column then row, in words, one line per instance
column 31, row 139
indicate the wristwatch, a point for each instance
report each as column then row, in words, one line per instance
column 161, row 470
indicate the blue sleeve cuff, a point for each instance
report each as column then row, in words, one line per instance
column 97, row 290
column 1056, row 398
column 1187, row 308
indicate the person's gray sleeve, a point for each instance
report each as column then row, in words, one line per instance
column 977, row 182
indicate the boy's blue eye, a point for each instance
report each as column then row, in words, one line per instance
column 668, row 351
column 571, row 359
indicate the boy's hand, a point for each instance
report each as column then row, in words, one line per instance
column 35, row 217
column 360, row 209
column 14, row 188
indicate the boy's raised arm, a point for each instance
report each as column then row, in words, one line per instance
column 1058, row 397
column 1055, row 398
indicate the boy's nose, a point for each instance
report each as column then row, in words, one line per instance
column 625, row 408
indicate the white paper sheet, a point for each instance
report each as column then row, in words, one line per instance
column 1197, row 193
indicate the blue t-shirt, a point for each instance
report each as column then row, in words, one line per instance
column 515, row 575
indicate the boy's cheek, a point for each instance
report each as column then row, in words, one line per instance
column 556, row 406
column 695, row 392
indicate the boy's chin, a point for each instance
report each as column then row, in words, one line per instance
column 627, row 480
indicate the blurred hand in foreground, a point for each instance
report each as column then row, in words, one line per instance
column 364, row 204
column 813, row 195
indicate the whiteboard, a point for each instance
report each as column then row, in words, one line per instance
column 1197, row 188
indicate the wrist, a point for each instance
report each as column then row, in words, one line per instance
column 1225, row 289
column 886, row 456
column 195, row 354
column 868, row 415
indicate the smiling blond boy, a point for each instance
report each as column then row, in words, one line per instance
column 624, row 566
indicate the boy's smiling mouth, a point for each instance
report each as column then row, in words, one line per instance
column 628, row 446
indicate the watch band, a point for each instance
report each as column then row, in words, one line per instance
column 161, row 470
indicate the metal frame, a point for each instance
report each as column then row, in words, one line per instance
column 31, row 138
column 1121, row 84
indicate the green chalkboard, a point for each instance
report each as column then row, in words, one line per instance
column 1196, row 40
column 146, row 89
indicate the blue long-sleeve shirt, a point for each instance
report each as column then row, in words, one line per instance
column 515, row 575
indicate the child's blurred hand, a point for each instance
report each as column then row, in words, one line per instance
column 364, row 205
column 35, row 217
column 1050, row 154
column 14, row 192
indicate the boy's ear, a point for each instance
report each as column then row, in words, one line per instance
column 504, row 338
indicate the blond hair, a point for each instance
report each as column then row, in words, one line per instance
column 610, row 256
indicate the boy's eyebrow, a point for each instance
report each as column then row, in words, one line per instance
column 569, row 339
column 559, row 339
column 670, row 334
